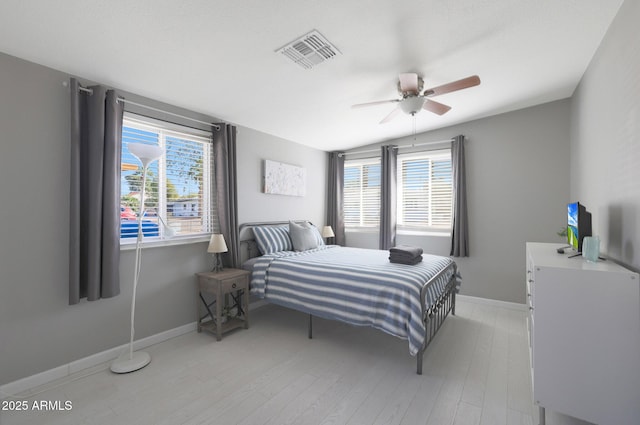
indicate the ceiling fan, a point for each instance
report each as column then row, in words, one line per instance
column 409, row 87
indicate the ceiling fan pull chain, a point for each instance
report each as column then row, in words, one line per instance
column 414, row 127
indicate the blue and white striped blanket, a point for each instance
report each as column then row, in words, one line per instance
column 353, row 285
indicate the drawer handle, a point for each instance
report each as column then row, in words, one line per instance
column 233, row 286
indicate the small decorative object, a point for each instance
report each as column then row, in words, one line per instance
column 327, row 232
column 216, row 246
column 563, row 232
column 284, row 179
column 591, row 248
column 228, row 313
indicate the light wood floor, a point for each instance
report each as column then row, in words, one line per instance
column 475, row 372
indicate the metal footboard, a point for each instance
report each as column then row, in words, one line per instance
column 434, row 315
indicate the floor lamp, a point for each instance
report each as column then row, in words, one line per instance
column 134, row 361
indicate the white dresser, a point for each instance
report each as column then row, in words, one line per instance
column 584, row 335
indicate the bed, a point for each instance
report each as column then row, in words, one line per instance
column 353, row 285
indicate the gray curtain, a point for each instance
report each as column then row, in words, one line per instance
column 224, row 151
column 388, row 202
column 460, row 231
column 94, row 236
column 335, row 197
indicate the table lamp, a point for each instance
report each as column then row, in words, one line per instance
column 327, row 232
column 216, row 246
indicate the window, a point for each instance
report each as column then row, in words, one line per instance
column 425, row 190
column 362, row 193
column 179, row 185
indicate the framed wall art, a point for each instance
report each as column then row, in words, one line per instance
column 284, row 179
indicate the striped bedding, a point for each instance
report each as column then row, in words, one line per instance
column 353, row 285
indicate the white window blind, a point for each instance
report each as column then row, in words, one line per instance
column 179, row 184
column 362, row 193
column 425, row 190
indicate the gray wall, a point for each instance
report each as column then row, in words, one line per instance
column 518, row 188
column 253, row 205
column 38, row 329
column 605, row 139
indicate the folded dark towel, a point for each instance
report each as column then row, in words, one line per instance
column 410, row 262
column 397, row 256
column 406, row 251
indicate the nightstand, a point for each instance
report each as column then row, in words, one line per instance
column 230, row 289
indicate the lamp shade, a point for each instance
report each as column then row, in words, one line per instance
column 217, row 244
column 327, row 232
column 145, row 153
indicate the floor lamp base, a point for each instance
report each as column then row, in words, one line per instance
column 125, row 364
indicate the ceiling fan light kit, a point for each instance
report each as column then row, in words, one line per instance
column 409, row 87
column 412, row 104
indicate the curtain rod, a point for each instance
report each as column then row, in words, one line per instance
column 123, row 100
column 414, row 145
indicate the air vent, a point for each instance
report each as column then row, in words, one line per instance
column 309, row 50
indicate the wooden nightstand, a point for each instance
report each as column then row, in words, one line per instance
column 229, row 283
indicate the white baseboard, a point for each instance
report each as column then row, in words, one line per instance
column 25, row 385
column 495, row 303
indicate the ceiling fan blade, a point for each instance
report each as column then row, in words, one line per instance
column 453, row 86
column 379, row 102
column 391, row 116
column 408, row 83
column 435, row 107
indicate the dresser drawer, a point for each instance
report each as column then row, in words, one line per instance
column 230, row 284
column 235, row 284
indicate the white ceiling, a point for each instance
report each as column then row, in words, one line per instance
column 218, row 57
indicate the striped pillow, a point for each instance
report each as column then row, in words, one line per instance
column 272, row 239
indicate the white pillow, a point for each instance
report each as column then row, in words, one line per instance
column 303, row 237
column 318, row 235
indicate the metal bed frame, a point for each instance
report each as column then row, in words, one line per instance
column 432, row 317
